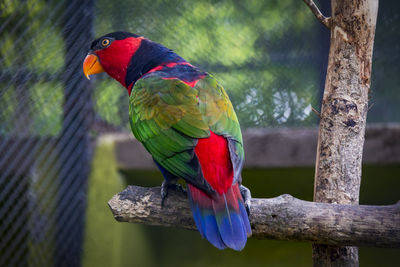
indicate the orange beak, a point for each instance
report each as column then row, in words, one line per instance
column 91, row 65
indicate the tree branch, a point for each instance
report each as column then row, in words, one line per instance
column 283, row 218
column 314, row 9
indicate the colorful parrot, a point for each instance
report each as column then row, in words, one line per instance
column 185, row 120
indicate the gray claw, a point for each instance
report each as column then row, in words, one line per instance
column 164, row 192
column 165, row 186
column 246, row 194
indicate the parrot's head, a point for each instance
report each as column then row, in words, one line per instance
column 112, row 54
column 125, row 57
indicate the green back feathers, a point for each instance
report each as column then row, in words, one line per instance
column 168, row 117
column 217, row 109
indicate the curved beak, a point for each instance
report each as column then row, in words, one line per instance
column 91, row 65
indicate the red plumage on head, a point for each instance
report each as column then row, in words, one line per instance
column 115, row 58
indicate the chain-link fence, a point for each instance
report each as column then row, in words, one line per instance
column 45, row 115
column 269, row 55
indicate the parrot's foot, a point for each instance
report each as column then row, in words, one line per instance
column 246, row 194
column 165, row 186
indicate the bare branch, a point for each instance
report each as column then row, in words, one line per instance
column 316, row 112
column 324, row 20
column 283, row 218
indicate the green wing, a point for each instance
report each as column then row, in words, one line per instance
column 218, row 112
column 165, row 117
column 168, row 117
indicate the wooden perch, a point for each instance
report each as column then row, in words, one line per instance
column 283, row 218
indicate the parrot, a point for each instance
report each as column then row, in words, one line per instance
column 186, row 121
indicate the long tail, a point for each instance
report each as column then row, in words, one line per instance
column 223, row 219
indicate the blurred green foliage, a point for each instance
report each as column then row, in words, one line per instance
column 248, row 46
column 32, row 61
column 269, row 56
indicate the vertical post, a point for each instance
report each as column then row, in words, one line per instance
column 74, row 144
column 343, row 115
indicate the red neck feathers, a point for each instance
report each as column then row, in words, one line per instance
column 115, row 59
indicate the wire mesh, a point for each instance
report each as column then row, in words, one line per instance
column 44, row 141
column 269, row 55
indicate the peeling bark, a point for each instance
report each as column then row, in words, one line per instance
column 283, row 218
column 343, row 115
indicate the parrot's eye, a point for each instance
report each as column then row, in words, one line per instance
column 105, row 42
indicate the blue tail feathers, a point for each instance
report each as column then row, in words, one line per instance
column 223, row 223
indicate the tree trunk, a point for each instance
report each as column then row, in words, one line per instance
column 343, row 115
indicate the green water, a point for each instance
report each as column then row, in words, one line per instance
column 109, row 243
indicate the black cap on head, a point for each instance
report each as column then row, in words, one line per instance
column 120, row 35
column 113, row 36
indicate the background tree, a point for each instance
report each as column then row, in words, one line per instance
column 344, row 113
